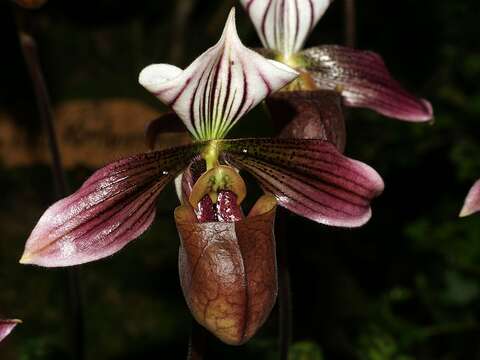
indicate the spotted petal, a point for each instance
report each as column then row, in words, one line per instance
column 472, row 202
column 113, row 207
column 364, row 81
column 283, row 25
column 309, row 177
column 224, row 83
column 6, row 327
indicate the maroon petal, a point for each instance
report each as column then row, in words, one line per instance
column 6, row 327
column 113, row 207
column 228, row 270
column 472, row 202
column 309, row 177
column 364, row 81
column 309, row 115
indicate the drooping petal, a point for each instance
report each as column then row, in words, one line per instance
column 309, row 115
column 283, row 25
column 166, row 131
column 218, row 88
column 6, row 327
column 472, row 202
column 309, row 177
column 228, row 270
column 364, row 81
column 113, row 207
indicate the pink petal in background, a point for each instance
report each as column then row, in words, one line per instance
column 472, row 202
column 6, row 327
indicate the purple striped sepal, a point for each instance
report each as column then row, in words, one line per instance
column 472, row 202
column 6, row 327
column 113, row 207
column 309, row 177
column 219, row 87
column 364, row 81
column 283, row 25
column 117, row 203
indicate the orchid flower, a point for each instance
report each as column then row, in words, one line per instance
column 6, row 327
column 360, row 77
column 227, row 261
column 472, row 201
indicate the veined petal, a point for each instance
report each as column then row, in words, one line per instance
column 309, row 177
column 6, row 327
column 224, row 83
column 228, row 270
column 364, row 81
column 283, row 25
column 472, row 202
column 113, row 207
column 309, row 115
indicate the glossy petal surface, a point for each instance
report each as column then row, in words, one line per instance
column 113, row 207
column 283, row 25
column 364, row 81
column 309, row 115
column 228, row 271
column 6, row 327
column 218, row 88
column 309, row 177
column 472, row 202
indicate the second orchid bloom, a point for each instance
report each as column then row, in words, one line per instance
column 360, row 77
column 227, row 260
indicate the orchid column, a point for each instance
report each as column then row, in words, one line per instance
column 227, row 261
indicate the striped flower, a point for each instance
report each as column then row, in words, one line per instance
column 227, row 260
column 360, row 77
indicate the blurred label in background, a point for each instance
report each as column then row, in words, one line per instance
column 91, row 133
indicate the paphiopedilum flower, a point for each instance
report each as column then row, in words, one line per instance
column 6, row 327
column 227, row 261
column 472, row 201
column 361, row 77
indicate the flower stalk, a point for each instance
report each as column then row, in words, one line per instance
column 30, row 54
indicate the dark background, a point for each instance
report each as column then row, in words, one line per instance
column 405, row 286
